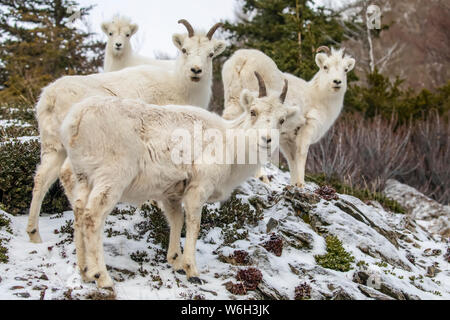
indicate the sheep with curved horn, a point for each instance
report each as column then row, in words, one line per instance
column 188, row 83
column 146, row 168
column 319, row 101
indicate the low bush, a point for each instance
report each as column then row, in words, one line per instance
column 336, row 257
column 18, row 161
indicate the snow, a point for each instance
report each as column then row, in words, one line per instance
column 48, row 270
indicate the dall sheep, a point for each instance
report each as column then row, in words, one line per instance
column 119, row 53
column 134, row 161
column 319, row 101
column 189, row 83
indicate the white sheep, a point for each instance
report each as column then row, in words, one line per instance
column 134, row 161
column 319, row 101
column 119, row 53
column 188, row 84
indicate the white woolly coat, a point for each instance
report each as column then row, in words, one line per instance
column 135, row 156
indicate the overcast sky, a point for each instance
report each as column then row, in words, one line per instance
column 157, row 19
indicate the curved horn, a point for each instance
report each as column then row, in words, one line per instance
column 284, row 92
column 325, row 49
column 188, row 27
column 262, row 86
column 343, row 53
column 213, row 29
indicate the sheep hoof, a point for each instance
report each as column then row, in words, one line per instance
column 181, row 271
column 265, row 179
column 34, row 236
column 108, row 289
column 195, row 280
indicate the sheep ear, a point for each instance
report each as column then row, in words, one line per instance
column 178, row 40
column 105, row 27
column 133, row 28
column 350, row 64
column 320, row 59
column 219, row 47
column 247, row 99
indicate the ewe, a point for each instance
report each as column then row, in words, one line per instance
column 134, row 161
column 119, row 53
column 319, row 101
column 189, row 83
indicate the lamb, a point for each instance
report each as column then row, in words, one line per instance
column 319, row 101
column 136, row 160
column 119, row 53
column 189, row 83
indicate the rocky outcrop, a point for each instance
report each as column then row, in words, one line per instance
column 432, row 215
column 267, row 242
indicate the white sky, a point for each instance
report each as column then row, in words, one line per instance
column 157, row 19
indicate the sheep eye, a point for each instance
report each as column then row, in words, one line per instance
column 282, row 121
column 110, row 33
column 253, row 113
column 211, row 54
column 183, row 50
column 128, row 35
column 346, row 70
column 325, row 67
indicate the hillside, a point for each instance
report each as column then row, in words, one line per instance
column 291, row 236
column 418, row 39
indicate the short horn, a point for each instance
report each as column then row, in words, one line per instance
column 262, row 85
column 213, row 29
column 284, row 92
column 343, row 53
column 324, row 49
column 188, row 27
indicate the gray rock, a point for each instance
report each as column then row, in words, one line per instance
column 372, row 293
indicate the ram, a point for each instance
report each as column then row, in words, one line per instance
column 319, row 101
column 188, row 84
column 138, row 160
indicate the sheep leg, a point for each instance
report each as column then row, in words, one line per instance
column 175, row 217
column 288, row 151
column 101, row 201
column 261, row 175
column 194, row 199
column 77, row 191
column 46, row 174
column 303, row 142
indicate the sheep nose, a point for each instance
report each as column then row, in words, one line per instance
column 118, row 45
column 337, row 81
column 196, row 70
column 267, row 139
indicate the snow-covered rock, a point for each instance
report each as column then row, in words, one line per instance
column 430, row 214
column 393, row 257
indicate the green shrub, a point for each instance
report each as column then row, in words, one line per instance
column 384, row 97
column 4, row 224
column 336, row 257
column 18, row 163
column 232, row 217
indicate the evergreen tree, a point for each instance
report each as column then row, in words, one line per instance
column 38, row 45
column 288, row 31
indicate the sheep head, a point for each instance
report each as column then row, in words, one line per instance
column 197, row 50
column 266, row 112
column 119, row 31
column 334, row 65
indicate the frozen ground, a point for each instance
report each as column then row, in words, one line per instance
column 394, row 257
